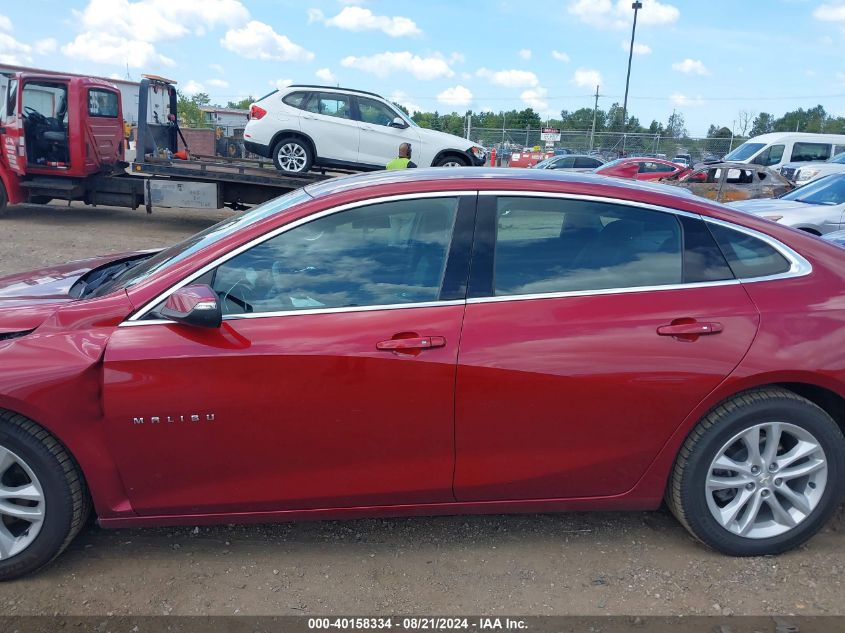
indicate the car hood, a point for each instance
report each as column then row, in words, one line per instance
column 763, row 206
column 434, row 136
column 50, row 286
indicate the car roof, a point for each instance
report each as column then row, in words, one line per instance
column 499, row 176
column 332, row 88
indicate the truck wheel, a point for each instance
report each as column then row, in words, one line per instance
column 760, row 474
column 43, row 498
column 293, row 154
column 3, row 198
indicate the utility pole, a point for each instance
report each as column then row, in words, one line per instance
column 504, row 119
column 595, row 110
column 636, row 6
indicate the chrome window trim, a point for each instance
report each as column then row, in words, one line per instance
column 144, row 310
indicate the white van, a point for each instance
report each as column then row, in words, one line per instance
column 778, row 148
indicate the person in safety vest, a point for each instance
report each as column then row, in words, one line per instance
column 404, row 160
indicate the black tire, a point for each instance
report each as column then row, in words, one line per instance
column 298, row 148
column 66, row 500
column 687, row 497
column 451, row 158
column 4, row 199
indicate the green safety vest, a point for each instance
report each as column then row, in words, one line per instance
column 398, row 163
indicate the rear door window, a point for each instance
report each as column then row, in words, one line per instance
column 330, row 104
column 749, row 257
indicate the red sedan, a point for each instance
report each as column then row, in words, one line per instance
column 642, row 168
column 432, row 342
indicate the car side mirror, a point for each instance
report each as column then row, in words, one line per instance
column 196, row 305
column 399, row 122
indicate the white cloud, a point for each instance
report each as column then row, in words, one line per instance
column 403, row 99
column 123, row 31
column 154, row 20
column 685, row 101
column 5, row 23
column 510, row 78
column 14, row 52
column 257, row 40
column 607, row 14
column 691, row 66
column 354, row 18
column 106, row 48
column 217, row 83
column 536, row 98
column 193, row 87
column 217, row 68
column 560, row 56
column 325, row 74
column 587, row 78
column 455, row 96
column 830, row 12
column 280, row 84
column 46, row 46
column 639, row 49
column 457, row 58
column 384, row 64
column 525, row 53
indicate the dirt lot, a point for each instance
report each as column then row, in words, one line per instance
column 627, row 563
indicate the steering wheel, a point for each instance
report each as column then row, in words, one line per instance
column 34, row 115
column 238, row 293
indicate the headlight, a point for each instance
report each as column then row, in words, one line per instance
column 478, row 152
column 805, row 174
column 773, row 218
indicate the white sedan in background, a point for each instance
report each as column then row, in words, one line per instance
column 817, row 207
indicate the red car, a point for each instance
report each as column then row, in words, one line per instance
column 642, row 168
column 432, row 342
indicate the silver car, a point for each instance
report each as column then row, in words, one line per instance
column 817, row 207
column 570, row 162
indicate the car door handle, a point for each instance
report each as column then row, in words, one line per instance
column 411, row 344
column 690, row 328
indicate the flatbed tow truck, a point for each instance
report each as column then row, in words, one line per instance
column 62, row 138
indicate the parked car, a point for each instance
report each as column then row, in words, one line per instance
column 684, row 160
column 802, row 173
column 373, row 345
column 571, row 162
column 726, row 182
column 303, row 126
column 641, row 168
column 779, row 148
column 817, row 207
column 837, row 237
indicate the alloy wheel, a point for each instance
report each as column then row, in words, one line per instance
column 22, row 507
column 292, row 157
column 766, row 480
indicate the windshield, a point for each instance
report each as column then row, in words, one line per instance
column 829, row 190
column 212, row 234
column 544, row 163
column 745, row 151
column 839, row 158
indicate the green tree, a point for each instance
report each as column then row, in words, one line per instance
column 190, row 114
column 715, row 131
column 243, row 104
column 675, row 126
column 763, row 124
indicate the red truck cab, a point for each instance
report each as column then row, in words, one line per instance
column 56, row 131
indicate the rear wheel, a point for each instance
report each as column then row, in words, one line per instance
column 451, row 161
column 4, row 200
column 760, row 474
column 43, row 498
column 293, row 154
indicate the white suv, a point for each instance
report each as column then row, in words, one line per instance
column 303, row 126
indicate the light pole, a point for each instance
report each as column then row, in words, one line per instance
column 636, row 6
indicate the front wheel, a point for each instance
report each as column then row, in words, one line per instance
column 43, row 498
column 292, row 154
column 760, row 474
column 451, row 161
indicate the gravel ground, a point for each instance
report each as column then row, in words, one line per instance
column 587, row 564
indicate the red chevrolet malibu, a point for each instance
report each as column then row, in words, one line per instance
column 432, row 342
column 642, row 168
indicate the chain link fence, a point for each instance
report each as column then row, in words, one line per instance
column 605, row 145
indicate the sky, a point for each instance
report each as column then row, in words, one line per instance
column 707, row 60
